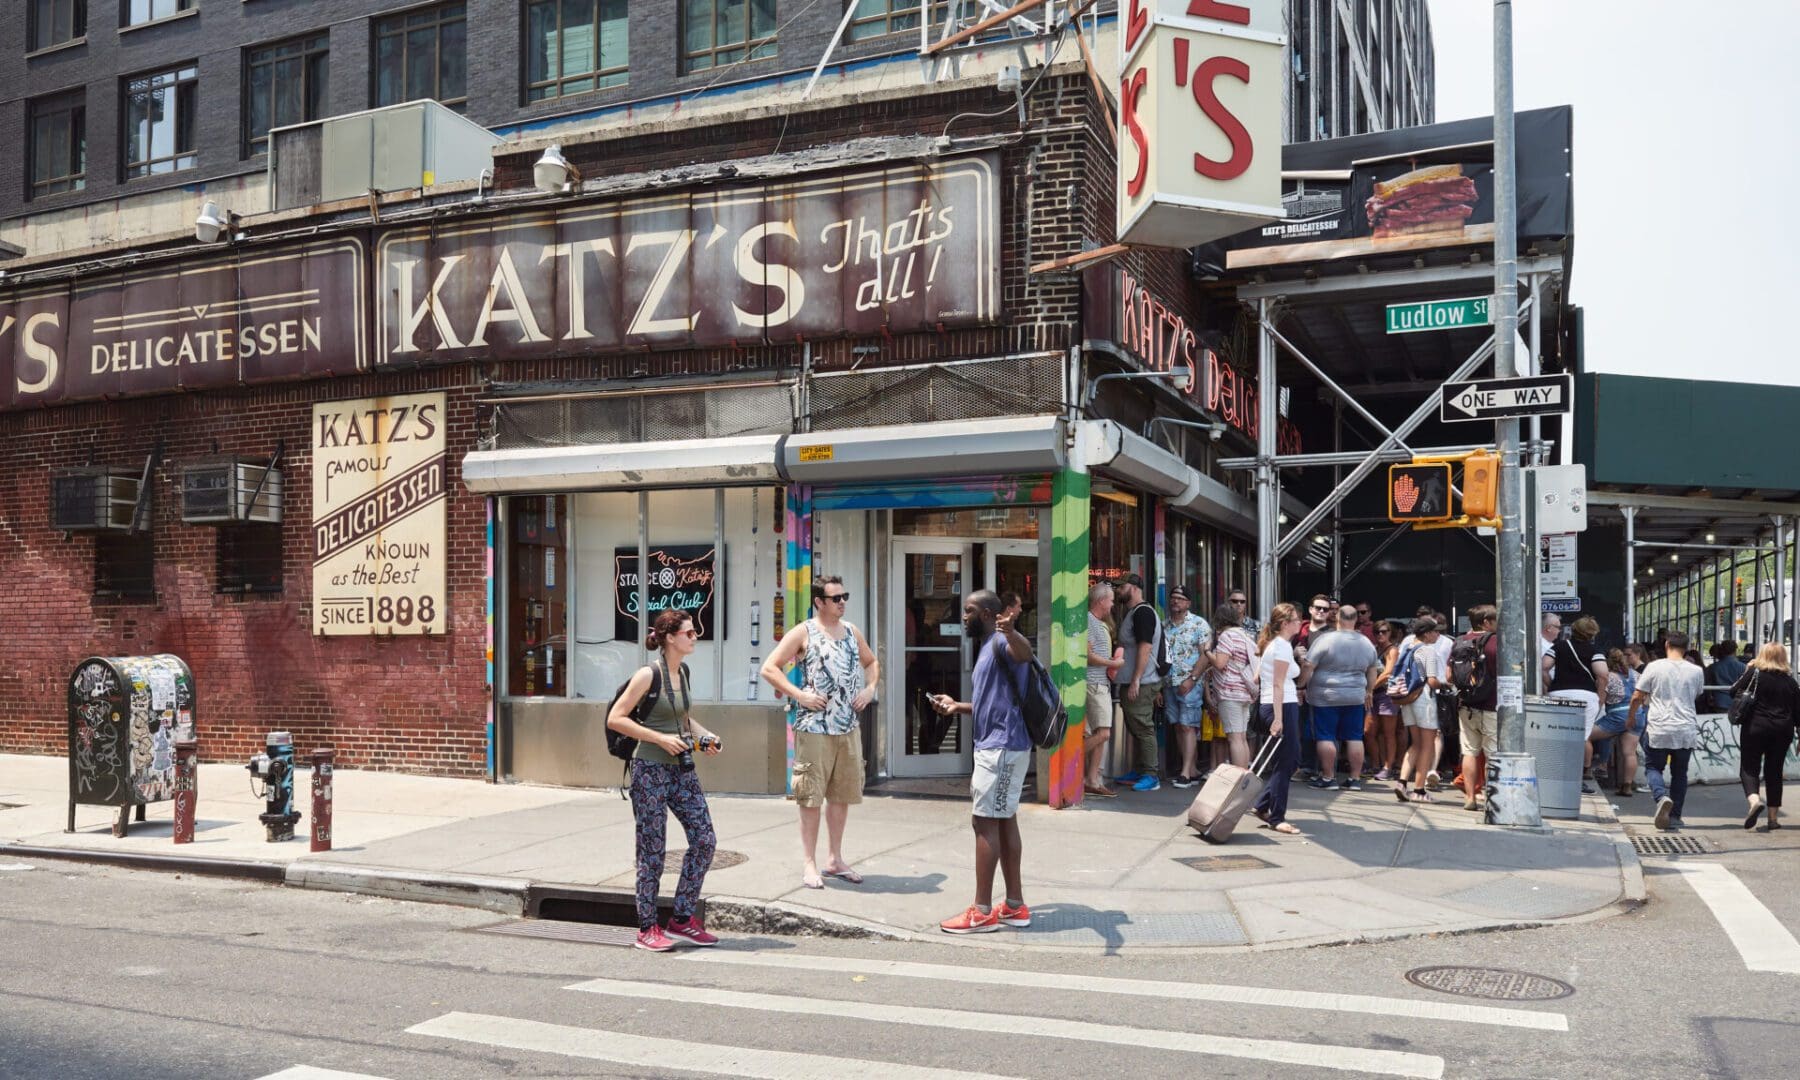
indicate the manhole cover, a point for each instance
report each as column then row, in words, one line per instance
column 554, row 930
column 1225, row 862
column 1670, row 845
column 722, row 860
column 1495, row 984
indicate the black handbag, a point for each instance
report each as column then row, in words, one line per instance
column 1744, row 699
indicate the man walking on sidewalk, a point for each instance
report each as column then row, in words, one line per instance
column 1002, row 754
column 1473, row 671
column 839, row 673
column 1672, row 730
column 1341, row 691
column 1139, row 681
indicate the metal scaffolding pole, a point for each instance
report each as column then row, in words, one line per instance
column 1630, row 573
column 1780, row 591
column 1515, row 621
column 1756, row 591
column 1268, row 501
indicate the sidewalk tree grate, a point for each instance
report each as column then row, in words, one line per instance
column 1670, row 845
column 722, row 860
column 1494, row 984
column 554, row 930
column 1225, row 862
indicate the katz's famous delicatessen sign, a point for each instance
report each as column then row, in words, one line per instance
column 281, row 313
column 880, row 250
column 379, row 497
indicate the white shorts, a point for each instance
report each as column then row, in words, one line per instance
column 998, row 781
column 1235, row 715
column 1421, row 712
column 1590, row 703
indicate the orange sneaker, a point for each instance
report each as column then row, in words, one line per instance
column 1012, row 916
column 972, row 921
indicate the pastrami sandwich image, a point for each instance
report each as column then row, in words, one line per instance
column 1437, row 198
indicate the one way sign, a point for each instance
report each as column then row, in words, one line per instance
column 1502, row 399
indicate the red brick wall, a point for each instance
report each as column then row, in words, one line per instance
column 405, row 703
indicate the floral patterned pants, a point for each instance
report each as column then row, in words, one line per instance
column 654, row 789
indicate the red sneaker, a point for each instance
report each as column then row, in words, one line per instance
column 972, row 921
column 1013, row 916
column 691, row 930
column 654, row 940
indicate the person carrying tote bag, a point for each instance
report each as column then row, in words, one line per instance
column 1766, row 701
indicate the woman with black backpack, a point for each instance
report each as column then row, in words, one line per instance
column 1769, row 713
column 663, row 780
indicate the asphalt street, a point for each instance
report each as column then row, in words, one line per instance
column 114, row 973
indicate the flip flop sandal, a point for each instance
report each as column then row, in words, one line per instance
column 1285, row 829
column 811, row 885
column 850, row 876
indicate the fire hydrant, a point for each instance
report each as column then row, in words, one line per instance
column 275, row 768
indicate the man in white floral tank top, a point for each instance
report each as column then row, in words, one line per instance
column 838, row 676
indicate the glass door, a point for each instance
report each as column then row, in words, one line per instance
column 926, row 657
column 1012, row 566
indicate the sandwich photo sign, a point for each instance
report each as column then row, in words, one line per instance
column 1200, row 119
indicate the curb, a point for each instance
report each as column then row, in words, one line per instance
column 774, row 917
column 1631, row 869
column 505, row 896
column 244, row 869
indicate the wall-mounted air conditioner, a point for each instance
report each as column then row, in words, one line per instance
column 417, row 144
column 230, row 492
column 93, row 499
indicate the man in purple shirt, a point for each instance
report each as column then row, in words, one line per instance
column 1002, row 756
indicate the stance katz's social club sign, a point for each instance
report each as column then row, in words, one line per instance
column 379, row 492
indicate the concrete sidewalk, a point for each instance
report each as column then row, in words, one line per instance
column 1105, row 875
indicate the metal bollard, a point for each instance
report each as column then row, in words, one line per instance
column 321, row 792
column 187, row 789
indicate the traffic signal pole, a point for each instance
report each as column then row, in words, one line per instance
column 1515, row 620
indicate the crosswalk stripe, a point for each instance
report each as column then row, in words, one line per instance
column 687, row 1055
column 1345, row 1058
column 308, row 1072
column 1760, row 938
column 1101, row 984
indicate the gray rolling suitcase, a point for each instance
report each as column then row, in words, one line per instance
column 1229, row 794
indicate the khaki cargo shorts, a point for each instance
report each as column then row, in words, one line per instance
column 1099, row 706
column 828, row 768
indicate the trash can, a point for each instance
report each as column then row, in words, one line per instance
column 126, row 714
column 1556, row 735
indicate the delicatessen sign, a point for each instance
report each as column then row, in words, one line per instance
column 286, row 313
column 379, row 497
column 905, row 248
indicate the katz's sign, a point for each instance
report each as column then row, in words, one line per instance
column 1199, row 119
column 1231, row 395
column 283, row 313
column 907, row 248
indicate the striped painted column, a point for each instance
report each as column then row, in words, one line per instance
column 1070, row 518
column 797, row 546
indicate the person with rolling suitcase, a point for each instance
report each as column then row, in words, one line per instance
column 1229, row 792
column 1280, row 713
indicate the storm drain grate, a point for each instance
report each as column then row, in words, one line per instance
column 1670, row 845
column 1225, row 862
column 722, row 860
column 553, row 930
column 1494, row 984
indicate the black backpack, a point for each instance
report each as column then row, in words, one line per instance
column 623, row 746
column 1040, row 704
column 1468, row 663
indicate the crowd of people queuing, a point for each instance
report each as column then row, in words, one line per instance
column 1410, row 702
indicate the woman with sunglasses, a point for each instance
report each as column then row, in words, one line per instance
column 663, row 781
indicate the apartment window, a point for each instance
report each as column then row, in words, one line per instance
column 249, row 558
column 54, row 22
column 124, row 566
column 284, row 83
column 159, row 121
column 143, row 11
column 719, row 32
column 874, row 18
column 573, row 46
column 422, row 54
column 58, row 147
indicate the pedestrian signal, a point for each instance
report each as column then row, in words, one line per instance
column 1481, row 486
column 1419, row 492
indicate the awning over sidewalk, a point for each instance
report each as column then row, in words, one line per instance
column 743, row 459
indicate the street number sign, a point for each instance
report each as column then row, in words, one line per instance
column 1503, row 399
column 1438, row 315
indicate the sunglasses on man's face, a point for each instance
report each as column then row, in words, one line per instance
column 1239, row 601
column 836, row 598
column 1321, row 610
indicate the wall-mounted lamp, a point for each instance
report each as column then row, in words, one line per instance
column 1179, row 378
column 214, row 224
column 1215, row 430
column 553, row 174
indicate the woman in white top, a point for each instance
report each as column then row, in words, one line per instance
column 1280, row 711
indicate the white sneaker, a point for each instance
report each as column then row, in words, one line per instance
column 1433, row 781
column 1665, row 808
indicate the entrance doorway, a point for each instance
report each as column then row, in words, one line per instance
column 1012, row 566
column 925, row 613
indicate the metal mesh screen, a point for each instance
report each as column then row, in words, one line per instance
column 657, row 417
column 1020, row 386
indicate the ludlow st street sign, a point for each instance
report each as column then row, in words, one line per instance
column 1438, row 315
column 1500, row 399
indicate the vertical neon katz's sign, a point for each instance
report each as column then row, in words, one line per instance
column 1159, row 336
column 1231, row 396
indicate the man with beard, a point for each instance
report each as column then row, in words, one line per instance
column 1002, row 755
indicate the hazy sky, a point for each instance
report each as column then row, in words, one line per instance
column 1687, row 256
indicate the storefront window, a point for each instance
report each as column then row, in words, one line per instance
column 537, row 608
column 978, row 522
column 1116, row 536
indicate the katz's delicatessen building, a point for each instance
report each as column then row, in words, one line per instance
column 475, row 443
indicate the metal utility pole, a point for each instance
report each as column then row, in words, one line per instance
column 1515, row 620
